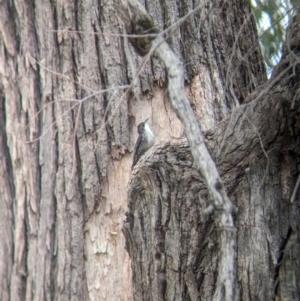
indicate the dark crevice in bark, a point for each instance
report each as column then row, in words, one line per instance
column 6, row 151
column 53, row 253
column 81, row 185
column 76, row 18
column 280, row 259
column 80, row 118
column 100, row 16
column 55, row 25
column 98, row 174
column 8, row 210
column 34, row 30
column 75, row 67
column 20, row 105
column 26, row 237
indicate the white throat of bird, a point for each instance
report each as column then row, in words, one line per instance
column 148, row 133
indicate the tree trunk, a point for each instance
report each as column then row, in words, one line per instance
column 67, row 130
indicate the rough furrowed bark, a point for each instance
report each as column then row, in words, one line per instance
column 171, row 239
column 167, row 197
column 63, row 67
column 55, row 157
column 138, row 17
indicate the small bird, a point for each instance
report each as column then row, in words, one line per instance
column 144, row 142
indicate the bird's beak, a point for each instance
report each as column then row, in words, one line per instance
column 146, row 120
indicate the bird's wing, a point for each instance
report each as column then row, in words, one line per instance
column 137, row 150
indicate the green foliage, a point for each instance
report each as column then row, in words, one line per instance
column 272, row 18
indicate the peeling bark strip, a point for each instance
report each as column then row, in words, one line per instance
column 134, row 15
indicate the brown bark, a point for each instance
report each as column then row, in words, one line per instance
column 175, row 247
column 64, row 197
column 139, row 18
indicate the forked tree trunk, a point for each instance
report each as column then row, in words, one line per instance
column 65, row 163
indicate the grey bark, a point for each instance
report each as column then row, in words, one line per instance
column 63, row 197
column 137, row 16
column 175, row 247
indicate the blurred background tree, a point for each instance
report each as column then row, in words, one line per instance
column 272, row 17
